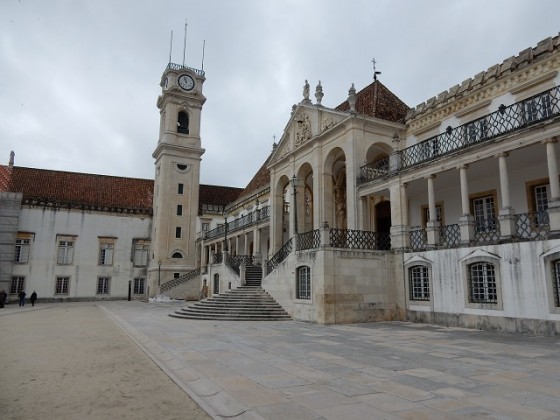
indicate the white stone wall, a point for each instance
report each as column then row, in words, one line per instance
column 41, row 271
column 524, row 286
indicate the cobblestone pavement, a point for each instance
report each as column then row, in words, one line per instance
column 294, row 370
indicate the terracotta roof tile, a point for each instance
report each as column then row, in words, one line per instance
column 377, row 101
column 100, row 192
column 217, row 195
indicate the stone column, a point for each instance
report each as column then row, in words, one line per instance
column 257, row 244
column 400, row 231
column 432, row 227
column 554, row 203
column 246, row 244
column 236, row 244
column 466, row 221
column 506, row 215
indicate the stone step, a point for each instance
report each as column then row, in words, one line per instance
column 247, row 303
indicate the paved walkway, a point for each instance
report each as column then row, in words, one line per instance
column 293, row 370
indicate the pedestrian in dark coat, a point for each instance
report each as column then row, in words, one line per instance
column 33, row 298
column 3, row 296
column 21, row 296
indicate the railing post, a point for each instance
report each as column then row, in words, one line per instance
column 466, row 226
column 324, row 233
column 506, row 218
column 432, row 231
column 395, row 161
column 242, row 273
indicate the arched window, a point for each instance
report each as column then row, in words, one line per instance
column 177, row 254
column 183, row 123
column 303, row 282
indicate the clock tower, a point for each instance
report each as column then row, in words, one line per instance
column 177, row 178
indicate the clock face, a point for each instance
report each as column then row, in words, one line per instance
column 186, row 82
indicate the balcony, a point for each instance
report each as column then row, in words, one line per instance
column 247, row 220
column 506, row 119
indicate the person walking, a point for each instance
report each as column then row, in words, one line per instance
column 33, row 298
column 21, row 296
column 3, row 296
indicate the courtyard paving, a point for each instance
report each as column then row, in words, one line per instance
column 295, row 370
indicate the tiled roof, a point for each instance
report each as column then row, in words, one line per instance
column 95, row 192
column 217, row 195
column 79, row 190
column 377, row 101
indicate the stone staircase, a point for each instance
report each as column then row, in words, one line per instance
column 253, row 276
column 246, row 303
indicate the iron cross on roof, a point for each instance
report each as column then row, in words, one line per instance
column 375, row 73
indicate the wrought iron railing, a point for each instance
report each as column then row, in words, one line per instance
column 179, row 280
column 418, row 238
column 449, row 235
column 309, row 240
column 240, row 223
column 486, row 231
column 173, row 66
column 506, row 119
column 359, row 239
column 235, row 261
column 374, row 170
column 218, row 257
column 532, row 225
column 280, row 256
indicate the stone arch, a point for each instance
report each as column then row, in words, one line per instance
column 279, row 198
column 334, row 185
column 305, row 198
column 377, row 151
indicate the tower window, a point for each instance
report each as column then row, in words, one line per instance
column 177, row 254
column 180, row 189
column 178, row 232
column 183, row 123
column 179, row 210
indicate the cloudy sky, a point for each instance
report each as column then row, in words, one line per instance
column 79, row 79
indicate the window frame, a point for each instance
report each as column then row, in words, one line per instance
column 21, row 245
column 303, row 290
column 490, row 225
column 425, row 283
column 18, row 286
column 139, row 286
column 140, row 253
column 477, row 257
column 64, row 283
column 106, row 253
column 65, row 251
column 103, row 285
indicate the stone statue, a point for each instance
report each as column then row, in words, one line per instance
column 319, row 93
column 306, row 91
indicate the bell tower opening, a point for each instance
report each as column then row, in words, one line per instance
column 183, row 123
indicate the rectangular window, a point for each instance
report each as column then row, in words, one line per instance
column 17, row 285
column 180, row 188
column 482, row 283
column 303, row 286
column 179, row 210
column 62, row 285
column 419, row 285
column 205, row 226
column 556, row 282
column 106, row 254
column 103, row 285
column 426, row 214
column 484, row 214
column 140, row 254
column 178, row 232
column 65, row 252
column 139, row 286
column 21, row 255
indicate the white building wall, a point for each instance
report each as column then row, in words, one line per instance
column 42, row 270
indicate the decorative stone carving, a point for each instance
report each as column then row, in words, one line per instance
column 327, row 123
column 319, row 93
column 352, row 98
column 306, row 93
column 303, row 130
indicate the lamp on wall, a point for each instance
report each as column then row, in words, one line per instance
column 295, row 182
